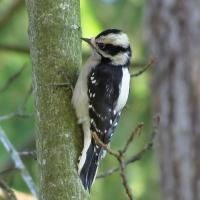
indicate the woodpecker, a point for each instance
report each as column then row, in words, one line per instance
column 99, row 96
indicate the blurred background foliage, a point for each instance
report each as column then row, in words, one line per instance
column 96, row 15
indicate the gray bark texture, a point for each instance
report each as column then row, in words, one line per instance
column 173, row 32
column 56, row 55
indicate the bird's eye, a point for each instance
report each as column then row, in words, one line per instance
column 101, row 46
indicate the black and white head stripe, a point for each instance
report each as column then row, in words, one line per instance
column 108, row 31
column 114, row 37
column 113, row 47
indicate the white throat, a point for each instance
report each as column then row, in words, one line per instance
column 120, row 59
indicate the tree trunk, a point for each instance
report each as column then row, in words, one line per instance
column 173, row 35
column 54, row 31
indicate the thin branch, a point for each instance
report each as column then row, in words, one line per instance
column 123, row 176
column 18, row 113
column 23, row 105
column 15, row 48
column 26, row 50
column 108, row 172
column 140, row 154
column 119, row 157
column 98, row 141
column 28, row 154
column 8, row 116
column 18, row 162
column 134, row 158
column 9, row 12
column 13, row 78
column 151, row 62
column 147, row 147
column 136, row 131
column 138, row 64
column 8, row 170
column 8, row 191
column 21, row 154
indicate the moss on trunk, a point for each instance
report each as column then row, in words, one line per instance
column 56, row 55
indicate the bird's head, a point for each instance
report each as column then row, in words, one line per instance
column 112, row 45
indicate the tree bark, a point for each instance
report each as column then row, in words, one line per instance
column 173, row 35
column 54, row 32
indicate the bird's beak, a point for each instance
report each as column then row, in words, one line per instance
column 88, row 40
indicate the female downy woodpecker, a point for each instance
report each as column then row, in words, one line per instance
column 99, row 96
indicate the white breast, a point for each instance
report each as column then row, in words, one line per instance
column 80, row 98
column 124, row 90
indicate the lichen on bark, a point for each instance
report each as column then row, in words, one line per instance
column 54, row 32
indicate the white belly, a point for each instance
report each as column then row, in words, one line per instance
column 80, row 98
column 124, row 90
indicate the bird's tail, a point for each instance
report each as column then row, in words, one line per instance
column 88, row 164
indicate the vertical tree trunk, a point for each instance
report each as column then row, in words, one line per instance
column 173, row 30
column 56, row 53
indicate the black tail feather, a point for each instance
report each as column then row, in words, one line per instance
column 92, row 173
column 89, row 170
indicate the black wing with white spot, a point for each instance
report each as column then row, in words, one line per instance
column 103, row 92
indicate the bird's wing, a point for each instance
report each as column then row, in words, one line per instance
column 103, row 92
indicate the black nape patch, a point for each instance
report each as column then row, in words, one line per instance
column 108, row 31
